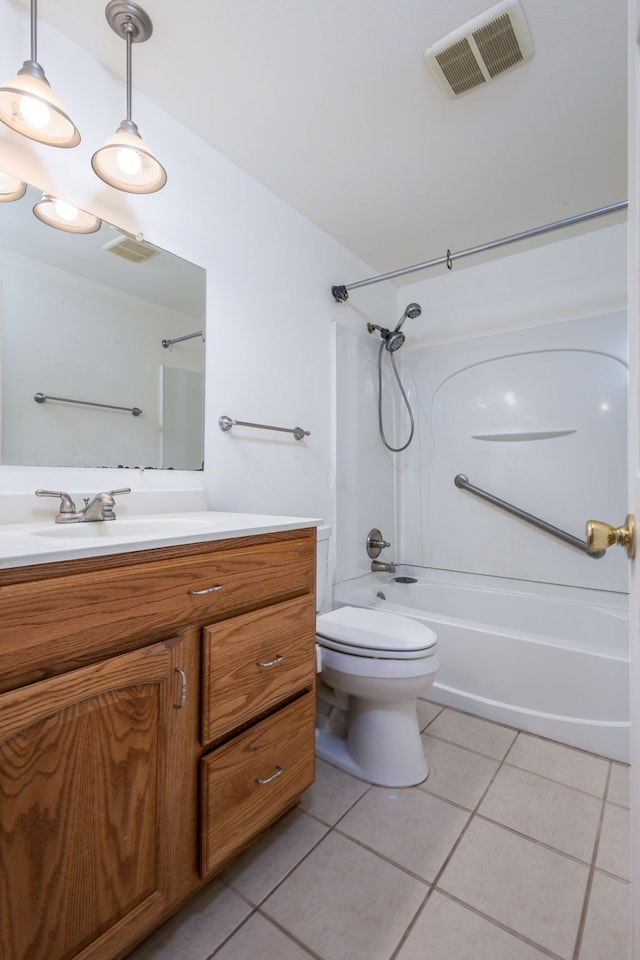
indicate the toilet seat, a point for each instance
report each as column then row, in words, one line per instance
column 361, row 632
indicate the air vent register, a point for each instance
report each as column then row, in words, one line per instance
column 481, row 50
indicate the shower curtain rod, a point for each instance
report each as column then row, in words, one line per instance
column 341, row 291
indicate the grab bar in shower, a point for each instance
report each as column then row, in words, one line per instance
column 462, row 482
column 225, row 424
column 43, row 397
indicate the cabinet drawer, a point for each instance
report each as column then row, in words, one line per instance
column 250, row 781
column 255, row 661
column 64, row 621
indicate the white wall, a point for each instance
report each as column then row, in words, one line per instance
column 270, row 315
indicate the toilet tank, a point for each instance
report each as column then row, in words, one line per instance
column 322, row 565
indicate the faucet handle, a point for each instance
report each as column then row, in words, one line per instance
column 108, row 502
column 376, row 543
column 66, row 503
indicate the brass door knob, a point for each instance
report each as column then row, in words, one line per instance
column 601, row 535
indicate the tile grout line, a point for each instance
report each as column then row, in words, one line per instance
column 569, row 786
column 502, row 926
column 447, row 860
column 257, row 907
column 461, row 746
column 223, row 943
column 290, row 936
column 534, row 840
column 592, row 869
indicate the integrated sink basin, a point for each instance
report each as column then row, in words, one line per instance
column 156, row 526
column 26, row 543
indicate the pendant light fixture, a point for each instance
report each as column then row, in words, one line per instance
column 64, row 216
column 11, row 188
column 125, row 161
column 29, row 106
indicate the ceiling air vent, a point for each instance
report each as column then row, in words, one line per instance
column 135, row 250
column 481, row 49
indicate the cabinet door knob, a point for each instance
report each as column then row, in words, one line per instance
column 198, row 593
column 270, row 663
column 274, row 776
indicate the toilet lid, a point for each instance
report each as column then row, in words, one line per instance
column 374, row 630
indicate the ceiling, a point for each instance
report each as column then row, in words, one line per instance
column 330, row 105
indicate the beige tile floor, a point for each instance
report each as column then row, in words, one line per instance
column 514, row 848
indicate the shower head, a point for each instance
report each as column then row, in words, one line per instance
column 394, row 341
column 412, row 311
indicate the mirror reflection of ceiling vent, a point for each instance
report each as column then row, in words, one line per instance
column 135, row 250
column 481, row 49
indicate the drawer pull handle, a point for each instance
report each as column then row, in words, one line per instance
column 183, row 691
column 198, row 593
column 274, row 776
column 270, row 663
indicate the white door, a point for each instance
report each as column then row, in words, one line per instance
column 634, row 454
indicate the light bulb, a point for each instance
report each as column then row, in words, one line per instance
column 129, row 160
column 35, row 112
column 66, row 211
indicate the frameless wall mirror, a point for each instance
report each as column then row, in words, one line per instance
column 102, row 348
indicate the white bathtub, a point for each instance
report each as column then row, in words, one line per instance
column 550, row 660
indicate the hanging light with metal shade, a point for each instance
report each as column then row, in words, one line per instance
column 125, row 161
column 64, row 216
column 29, row 106
column 11, row 188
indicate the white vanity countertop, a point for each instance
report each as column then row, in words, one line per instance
column 24, row 544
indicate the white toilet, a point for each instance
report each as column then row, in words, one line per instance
column 372, row 667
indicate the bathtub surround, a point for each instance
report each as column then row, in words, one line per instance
column 538, row 418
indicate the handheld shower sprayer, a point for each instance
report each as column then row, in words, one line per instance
column 393, row 339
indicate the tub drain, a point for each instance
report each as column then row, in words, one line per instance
column 405, row 579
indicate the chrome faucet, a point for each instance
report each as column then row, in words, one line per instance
column 99, row 507
column 380, row 566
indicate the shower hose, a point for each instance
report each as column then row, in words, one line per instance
column 404, row 397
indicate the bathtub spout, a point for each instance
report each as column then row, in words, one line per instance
column 379, row 566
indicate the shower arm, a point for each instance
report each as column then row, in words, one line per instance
column 462, row 482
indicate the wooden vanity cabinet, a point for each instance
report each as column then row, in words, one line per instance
column 129, row 780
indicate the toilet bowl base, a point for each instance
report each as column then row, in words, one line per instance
column 387, row 754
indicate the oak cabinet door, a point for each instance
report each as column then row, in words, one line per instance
column 83, row 804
